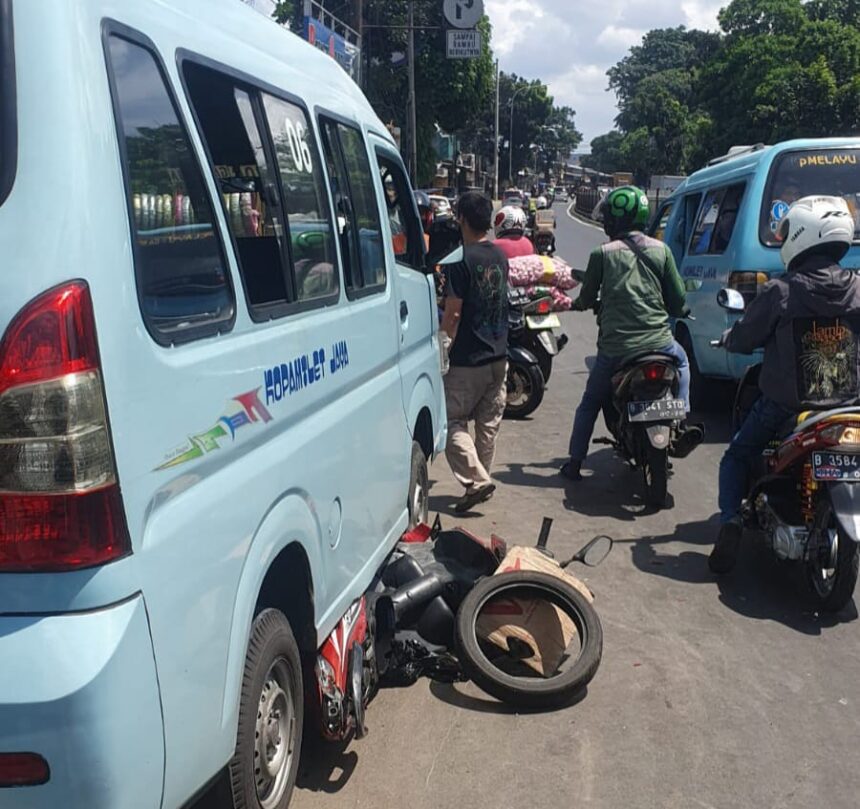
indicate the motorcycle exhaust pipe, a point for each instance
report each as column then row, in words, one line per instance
column 419, row 592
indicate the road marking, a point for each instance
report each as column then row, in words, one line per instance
column 582, row 220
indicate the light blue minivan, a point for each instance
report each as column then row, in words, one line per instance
column 219, row 392
column 721, row 225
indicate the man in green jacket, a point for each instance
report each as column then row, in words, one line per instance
column 636, row 282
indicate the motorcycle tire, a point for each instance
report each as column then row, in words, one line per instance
column 530, row 378
column 655, row 471
column 832, row 595
column 531, row 692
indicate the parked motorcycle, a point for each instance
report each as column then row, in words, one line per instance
column 421, row 617
column 644, row 418
column 538, row 334
column 805, row 495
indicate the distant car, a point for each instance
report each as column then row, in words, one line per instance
column 561, row 195
column 513, row 197
column 441, row 206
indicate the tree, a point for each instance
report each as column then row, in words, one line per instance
column 605, row 154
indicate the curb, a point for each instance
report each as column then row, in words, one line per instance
column 581, row 219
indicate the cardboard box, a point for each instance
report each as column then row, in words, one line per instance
column 538, row 630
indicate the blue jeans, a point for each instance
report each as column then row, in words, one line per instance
column 598, row 392
column 761, row 426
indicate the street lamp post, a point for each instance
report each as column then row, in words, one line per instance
column 511, row 141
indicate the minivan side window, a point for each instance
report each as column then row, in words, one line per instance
column 282, row 230
column 658, row 229
column 305, row 200
column 359, row 226
column 717, row 221
column 406, row 230
column 182, row 277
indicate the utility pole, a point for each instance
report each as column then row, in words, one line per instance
column 359, row 13
column 511, row 141
column 497, row 144
column 413, row 123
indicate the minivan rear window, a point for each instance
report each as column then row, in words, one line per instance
column 8, row 126
column 183, row 281
column 797, row 174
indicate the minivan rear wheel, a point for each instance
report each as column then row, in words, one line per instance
column 419, row 487
column 271, row 712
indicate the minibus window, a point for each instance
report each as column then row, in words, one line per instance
column 182, row 277
column 658, row 231
column 406, row 230
column 305, row 200
column 830, row 172
column 248, row 185
column 355, row 202
column 717, row 220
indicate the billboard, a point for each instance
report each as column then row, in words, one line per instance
column 343, row 52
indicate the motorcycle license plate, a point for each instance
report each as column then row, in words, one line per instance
column 835, row 466
column 661, row 410
column 543, row 322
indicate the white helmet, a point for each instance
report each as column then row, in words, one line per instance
column 509, row 219
column 821, row 224
column 542, row 203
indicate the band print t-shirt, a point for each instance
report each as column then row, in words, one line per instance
column 481, row 282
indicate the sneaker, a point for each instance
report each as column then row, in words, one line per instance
column 471, row 499
column 689, row 437
column 725, row 553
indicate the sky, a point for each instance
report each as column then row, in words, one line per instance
column 569, row 45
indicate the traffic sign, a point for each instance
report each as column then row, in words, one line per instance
column 463, row 13
column 464, row 44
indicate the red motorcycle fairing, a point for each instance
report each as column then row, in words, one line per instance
column 335, row 664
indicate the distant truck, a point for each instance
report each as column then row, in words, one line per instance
column 621, row 178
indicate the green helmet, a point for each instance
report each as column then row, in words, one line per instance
column 625, row 209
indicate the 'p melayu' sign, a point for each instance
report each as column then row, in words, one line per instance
column 464, row 44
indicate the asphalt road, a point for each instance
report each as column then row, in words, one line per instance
column 711, row 694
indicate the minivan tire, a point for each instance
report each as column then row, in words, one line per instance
column 419, row 487
column 271, row 714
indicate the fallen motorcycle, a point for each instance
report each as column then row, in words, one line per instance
column 441, row 608
column 805, row 495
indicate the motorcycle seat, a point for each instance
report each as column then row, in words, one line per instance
column 649, row 356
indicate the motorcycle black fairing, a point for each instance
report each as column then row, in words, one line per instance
column 523, row 355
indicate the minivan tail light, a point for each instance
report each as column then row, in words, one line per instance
column 60, row 504
column 23, row 770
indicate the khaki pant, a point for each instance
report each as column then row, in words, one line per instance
column 474, row 394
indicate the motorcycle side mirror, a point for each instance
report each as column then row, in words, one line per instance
column 731, row 300
column 593, row 553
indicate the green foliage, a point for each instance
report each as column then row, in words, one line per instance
column 780, row 69
column 605, row 153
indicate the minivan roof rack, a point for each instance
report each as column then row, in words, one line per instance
column 737, row 151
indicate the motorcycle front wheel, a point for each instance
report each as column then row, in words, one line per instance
column 832, row 568
column 525, row 389
column 500, row 654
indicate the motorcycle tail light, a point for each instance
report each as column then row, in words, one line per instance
column 841, row 435
column 656, row 373
column 326, row 678
column 543, row 307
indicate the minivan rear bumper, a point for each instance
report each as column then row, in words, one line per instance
column 81, row 690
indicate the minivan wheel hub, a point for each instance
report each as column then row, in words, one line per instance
column 274, row 734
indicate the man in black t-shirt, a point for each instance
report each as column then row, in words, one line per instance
column 476, row 321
